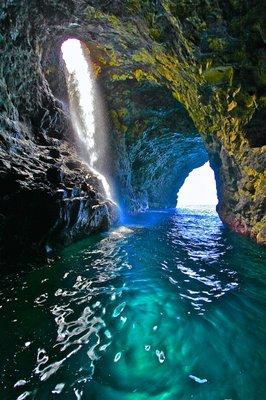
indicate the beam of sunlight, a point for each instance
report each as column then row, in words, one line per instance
column 199, row 188
column 78, row 66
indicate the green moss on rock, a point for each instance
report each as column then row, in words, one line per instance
column 219, row 75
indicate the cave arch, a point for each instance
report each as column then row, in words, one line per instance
column 145, row 122
column 160, row 147
column 133, row 54
column 152, row 140
column 199, row 189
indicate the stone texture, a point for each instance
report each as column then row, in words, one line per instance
column 158, row 149
column 46, row 202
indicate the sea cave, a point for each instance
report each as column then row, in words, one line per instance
column 132, row 206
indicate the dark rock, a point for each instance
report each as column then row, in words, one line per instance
column 73, row 164
column 54, row 152
column 255, row 130
column 46, row 159
column 54, row 175
column 85, row 187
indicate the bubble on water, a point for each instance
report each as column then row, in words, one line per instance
column 50, row 370
column 172, row 280
column 198, row 380
column 123, row 320
column 108, row 334
column 104, row 346
column 21, row 382
column 41, row 299
column 119, row 309
column 78, row 393
column 117, row 356
column 161, row 356
column 147, row 347
column 23, row 396
column 42, row 357
column 58, row 388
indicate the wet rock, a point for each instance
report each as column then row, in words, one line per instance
column 45, row 140
column 73, row 164
column 85, row 187
column 255, row 130
column 47, row 159
column 60, row 194
column 54, row 175
column 54, row 152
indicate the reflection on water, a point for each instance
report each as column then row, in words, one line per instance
column 170, row 306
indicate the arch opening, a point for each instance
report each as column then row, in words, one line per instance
column 199, row 189
column 153, row 162
column 86, row 109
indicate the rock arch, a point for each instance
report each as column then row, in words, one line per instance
column 135, row 46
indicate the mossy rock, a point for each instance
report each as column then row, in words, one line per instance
column 231, row 105
column 262, row 76
column 217, row 44
column 219, row 75
column 262, row 101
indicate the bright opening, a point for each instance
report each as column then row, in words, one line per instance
column 80, row 72
column 199, row 188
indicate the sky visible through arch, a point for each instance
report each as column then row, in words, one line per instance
column 199, row 188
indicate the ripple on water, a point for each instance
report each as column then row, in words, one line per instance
column 151, row 312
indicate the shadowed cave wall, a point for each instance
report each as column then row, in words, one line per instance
column 158, row 149
column 191, row 61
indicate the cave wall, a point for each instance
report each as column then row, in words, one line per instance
column 49, row 196
column 155, row 142
column 209, row 56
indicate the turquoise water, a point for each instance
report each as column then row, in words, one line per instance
column 169, row 306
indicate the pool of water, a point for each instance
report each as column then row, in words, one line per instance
column 168, row 306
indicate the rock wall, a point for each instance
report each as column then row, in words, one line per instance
column 49, row 196
column 158, row 148
column 207, row 56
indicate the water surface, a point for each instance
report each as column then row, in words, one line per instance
column 169, row 306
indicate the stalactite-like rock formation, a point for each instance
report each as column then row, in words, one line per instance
column 204, row 63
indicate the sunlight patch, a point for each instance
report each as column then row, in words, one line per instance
column 80, row 69
column 199, row 188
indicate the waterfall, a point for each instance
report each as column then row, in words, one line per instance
column 82, row 93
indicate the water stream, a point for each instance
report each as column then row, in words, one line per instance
column 169, row 306
column 82, row 97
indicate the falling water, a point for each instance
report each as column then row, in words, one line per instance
column 81, row 78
